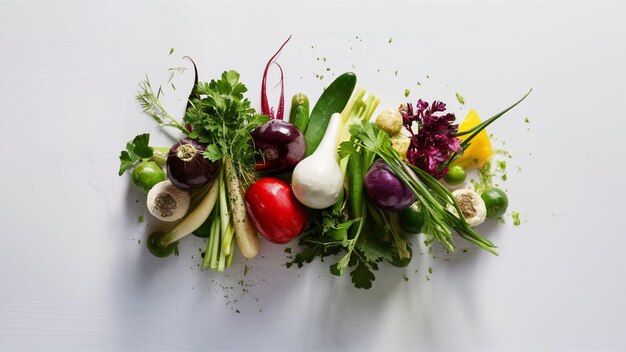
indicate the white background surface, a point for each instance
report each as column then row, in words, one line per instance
column 73, row 276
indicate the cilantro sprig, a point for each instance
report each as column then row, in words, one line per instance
column 136, row 150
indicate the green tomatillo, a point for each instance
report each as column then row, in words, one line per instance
column 146, row 175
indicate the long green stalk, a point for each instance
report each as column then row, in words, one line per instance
column 474, row 131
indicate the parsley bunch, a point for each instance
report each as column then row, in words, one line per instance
column 221, row 117
column 217, row 115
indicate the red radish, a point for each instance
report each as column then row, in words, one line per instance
column 280, row 144
column 265, row 106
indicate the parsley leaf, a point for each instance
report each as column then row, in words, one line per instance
column 347, row 149
column 136, row 150
column 362, row 276
column 221, row 117
column 213, row 152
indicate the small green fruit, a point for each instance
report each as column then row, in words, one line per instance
column 496, row 202
column 156, row 247
column 412, row 218
column 146, row 175
column 456, row 175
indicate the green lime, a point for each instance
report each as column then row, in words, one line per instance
column 496, row 202
column 401, row 263
column 156, row 247
column 412, row 218
column 456, row 175
column 146, row 175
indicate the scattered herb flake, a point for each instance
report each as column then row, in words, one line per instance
column 140, row 218
column 390, row 40
column 430, row 270
column 516, row 219
column 526, row 120
column 288, row 250
column 171, row 50
column 407, row 92
column 460, row 98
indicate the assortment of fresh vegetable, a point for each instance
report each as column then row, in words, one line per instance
column 346, row 184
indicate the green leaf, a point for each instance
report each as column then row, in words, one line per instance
column 334, row 269
column 136, row 150
column 362, row 276
column 341, row 265
column 338, row 231
column 347, row 149
column 374, row 250
column 213, row 152
column 126, row 162
column 141, row 147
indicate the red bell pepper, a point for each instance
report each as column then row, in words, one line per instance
column 274, row 210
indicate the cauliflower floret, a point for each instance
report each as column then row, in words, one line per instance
column 400, row 143
column 390, row 121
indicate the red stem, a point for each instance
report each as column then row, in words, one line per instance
column 265, row 106
column 281, row 103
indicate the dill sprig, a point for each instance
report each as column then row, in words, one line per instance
column 153, row 107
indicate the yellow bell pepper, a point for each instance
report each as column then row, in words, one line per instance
column 480, row 149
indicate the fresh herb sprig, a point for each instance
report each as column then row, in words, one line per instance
column 217, row 114
column 328, row 235
column 153, row 107
column 136, row 150
column 221, row 117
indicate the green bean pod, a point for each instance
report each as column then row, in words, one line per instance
column 355, row 181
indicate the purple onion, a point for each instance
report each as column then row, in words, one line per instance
column 280, row 144
column 385, row 189
column 187, row 168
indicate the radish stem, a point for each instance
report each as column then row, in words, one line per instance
column 265, row 106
